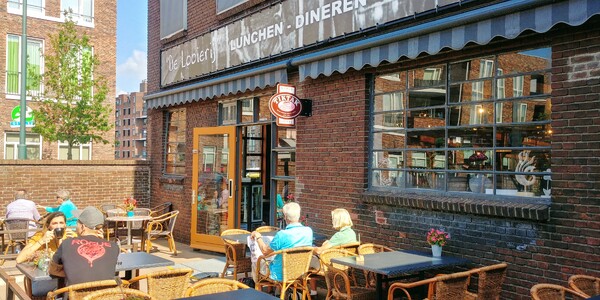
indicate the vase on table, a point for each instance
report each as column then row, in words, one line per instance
column 130, row 213
column 436, row 250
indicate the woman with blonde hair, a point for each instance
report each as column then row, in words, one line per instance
column 341, row 221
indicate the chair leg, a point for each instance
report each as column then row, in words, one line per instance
column 172, row 243
column 225, row 270
column 148, row 245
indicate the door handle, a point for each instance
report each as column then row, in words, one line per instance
column 230, row 186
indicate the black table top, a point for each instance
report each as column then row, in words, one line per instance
column 235, row 295
column 400, row 262
column 597, row 297
column 125, row 262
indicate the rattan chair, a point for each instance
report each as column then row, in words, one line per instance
column 167, row 284
column 18, row 238
column 162, row 226
column 585, row 284
column 295, row 263
column 161, row 209
column 80, row 290
column 449, row 286
column 214, row 285
column 546, row 291
column 339, row 284
column 371, row 248
column 267, row 229
column 489, row 283
column 235, row 255
column 118, row 294
column 350, row 247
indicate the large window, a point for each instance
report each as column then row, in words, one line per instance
column 455, row 130
column 78, row 152
column 35, row 8
column 13, row 66
column 173, row 17
column 174, row 159
column 82, row 10
column 33, row 144
column 224, row 5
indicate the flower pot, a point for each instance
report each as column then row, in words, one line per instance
column 130, row 213
column 436, row 250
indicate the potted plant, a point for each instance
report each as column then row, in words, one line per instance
column 437, row 238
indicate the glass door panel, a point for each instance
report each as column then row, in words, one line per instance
column 213, row 186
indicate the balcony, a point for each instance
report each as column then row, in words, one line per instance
column 13, row 86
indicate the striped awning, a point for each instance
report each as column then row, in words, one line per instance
column 238, row 82
column 506, row 19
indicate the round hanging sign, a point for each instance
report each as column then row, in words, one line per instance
column 285, row 105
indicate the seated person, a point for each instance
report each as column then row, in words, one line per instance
column 65, row 205
column 294, row 235
column 46, row 237
column 22, row 208
column 88, row 257
column 340, row 219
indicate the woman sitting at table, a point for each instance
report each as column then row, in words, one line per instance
column 65, row 205
column 46, row 237
column 341, row 221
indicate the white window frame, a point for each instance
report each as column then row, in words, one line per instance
column 15, row 7
column 166, row 13
column 499, row 108
column 518, row 82
column 209, row 155
column 432, row 74
column 390, row 102
column 62, row 144
column 500, row 85
column 78, row 14
column 476, row 117
column 521, row 113
column 15, row 145
column 17, row 95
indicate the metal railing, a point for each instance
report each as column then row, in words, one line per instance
column 13, row 85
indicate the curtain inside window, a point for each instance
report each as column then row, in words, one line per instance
column 12, row 65
column 34, row 63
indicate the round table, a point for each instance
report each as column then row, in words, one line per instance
column 129, row 221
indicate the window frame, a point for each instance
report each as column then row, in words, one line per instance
column 492, row 105
column 15, row 145
column 37, row 11
column 180, row 146
column 79, row 147
column 167, row 14
column 79, row 15
column 10, row 94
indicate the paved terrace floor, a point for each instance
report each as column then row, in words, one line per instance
column 200, row 261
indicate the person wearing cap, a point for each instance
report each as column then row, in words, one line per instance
column 87, row 257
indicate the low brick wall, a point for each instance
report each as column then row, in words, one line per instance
column 90, row 182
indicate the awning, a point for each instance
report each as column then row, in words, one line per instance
column 257, row 78
column 507, row 19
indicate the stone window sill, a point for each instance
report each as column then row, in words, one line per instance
column 172, row 179
column 457, row 204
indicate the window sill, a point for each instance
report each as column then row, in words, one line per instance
column 172, row 179
column 458, row 204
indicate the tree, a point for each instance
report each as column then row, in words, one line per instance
column 72, row 105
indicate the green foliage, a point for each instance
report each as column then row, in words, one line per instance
column 72, row 106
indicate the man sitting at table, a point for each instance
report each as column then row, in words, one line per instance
column 23, row 208
column 294, row 235
column 88, row 257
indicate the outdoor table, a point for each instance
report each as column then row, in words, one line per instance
column 235, row 295
column 597, row 297
column 127, row 262
column 129, row 221
column 397, row 263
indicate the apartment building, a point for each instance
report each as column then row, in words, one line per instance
column 130, row 125
column 98, row 19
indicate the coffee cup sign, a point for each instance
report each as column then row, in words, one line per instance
column 285, row 105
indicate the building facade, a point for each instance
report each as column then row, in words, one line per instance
column 478, row 117
column 97, row 18
column 130, row 125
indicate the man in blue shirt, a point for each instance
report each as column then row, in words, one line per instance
column 294, row 235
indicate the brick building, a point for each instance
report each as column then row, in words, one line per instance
column 478, row 117
column 98, row 20
column 130, row 125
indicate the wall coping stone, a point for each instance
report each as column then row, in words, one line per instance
column 44, row 162
column 516, row 210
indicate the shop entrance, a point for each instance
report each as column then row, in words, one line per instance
column 231, row 182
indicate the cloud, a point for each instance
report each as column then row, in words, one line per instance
column 131, row 73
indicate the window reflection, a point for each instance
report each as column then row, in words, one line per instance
column 472, row 137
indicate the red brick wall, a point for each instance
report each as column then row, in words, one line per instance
column 90, row 182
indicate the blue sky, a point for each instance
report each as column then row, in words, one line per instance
column 132, row 44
